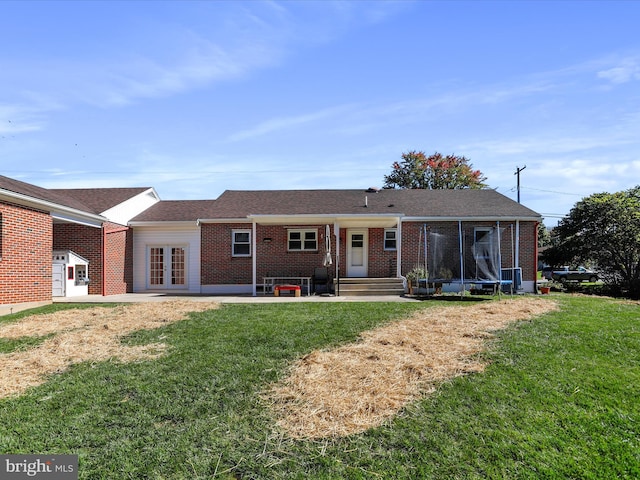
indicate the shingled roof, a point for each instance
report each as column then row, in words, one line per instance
column 410, row 203
column 176, row 211
column 42, row 194
column 99, row 200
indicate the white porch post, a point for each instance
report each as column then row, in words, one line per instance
column 254, row 259
column 336, row 232
column 399, row 249
column 516, row 261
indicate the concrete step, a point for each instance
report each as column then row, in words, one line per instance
column 371, row 286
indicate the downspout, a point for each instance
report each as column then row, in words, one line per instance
column 336, row 232
column 499, row 260
column 461, row 258
column 254, row 260
column 104, row 260
column 517, row 254
column 535, row 254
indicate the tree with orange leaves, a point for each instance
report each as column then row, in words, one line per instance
column 434, row 172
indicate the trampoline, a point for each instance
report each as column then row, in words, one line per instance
column 470, row 255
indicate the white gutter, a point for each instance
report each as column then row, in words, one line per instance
column 505, row 218
column 163, row 224
column 222, row 220
column 57, row 211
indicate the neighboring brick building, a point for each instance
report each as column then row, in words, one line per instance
column 35, row 222
column 25, row 254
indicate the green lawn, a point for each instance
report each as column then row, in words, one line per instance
column 559, row 400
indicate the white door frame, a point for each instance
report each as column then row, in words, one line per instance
column 167, row 273
column 357, row 257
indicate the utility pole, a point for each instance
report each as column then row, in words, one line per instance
column 518, row 170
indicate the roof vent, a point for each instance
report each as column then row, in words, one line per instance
column 372, row 190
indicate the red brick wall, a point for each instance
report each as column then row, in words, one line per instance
column 87, row 242
column 25, row 255
column 219, row 267
column 381, row 263
column 119, row 259
column 529, row 250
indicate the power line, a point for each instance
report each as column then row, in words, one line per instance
column 553, row 191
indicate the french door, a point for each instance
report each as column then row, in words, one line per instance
column 167, row 267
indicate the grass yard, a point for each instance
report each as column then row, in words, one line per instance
column 558, row 399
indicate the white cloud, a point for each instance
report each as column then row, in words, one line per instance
column 19, row 118
column 282, row 123
column 627, row 71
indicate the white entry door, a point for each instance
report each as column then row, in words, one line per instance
column 166, row 267
column 58, row 278
column 357, row 252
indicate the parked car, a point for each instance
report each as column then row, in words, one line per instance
column 566, row 274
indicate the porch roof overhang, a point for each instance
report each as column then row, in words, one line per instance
column 59, row 213
column 371, row 220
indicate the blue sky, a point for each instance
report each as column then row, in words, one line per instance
column 195, row 97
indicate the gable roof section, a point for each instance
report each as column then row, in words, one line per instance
column 408, row 203
column 61, row 207
column 99, row 200
column 82, row 205
column 176, row 211
column 41, row 194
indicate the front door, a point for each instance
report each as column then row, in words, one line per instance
column 357, row 252
column 166, row 267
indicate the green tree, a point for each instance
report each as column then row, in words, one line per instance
column 544, row 236
column 433, row 172
column 603, row 229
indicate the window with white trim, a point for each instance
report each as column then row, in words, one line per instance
column 390, row 238
column 302, row 240
column 241, row 243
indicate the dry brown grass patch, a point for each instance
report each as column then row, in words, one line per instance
column 358, row 386
column 91, row 334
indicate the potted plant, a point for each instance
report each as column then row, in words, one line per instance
column 416, row 274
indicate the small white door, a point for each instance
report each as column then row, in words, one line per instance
column 59, row 281
column 357, row 252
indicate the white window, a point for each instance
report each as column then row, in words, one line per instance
column 241, row 243
column 391, row 239
column 302, row 240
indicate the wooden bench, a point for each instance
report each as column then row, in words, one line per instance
column 279, row 288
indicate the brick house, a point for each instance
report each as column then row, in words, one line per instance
column 91, row 223
column 134, row 242
column 231, row 244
